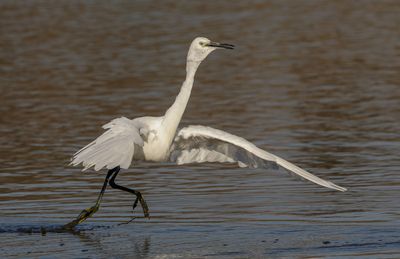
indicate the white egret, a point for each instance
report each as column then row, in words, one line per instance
column 156, row 139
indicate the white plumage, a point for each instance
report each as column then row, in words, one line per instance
column 155, row 138
column 113, row 148
column 219, row 146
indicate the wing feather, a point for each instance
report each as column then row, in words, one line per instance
column 115, row 147
column 196, row 144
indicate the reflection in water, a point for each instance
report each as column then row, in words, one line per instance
column 86, row 239
column 133, row 247
column 315, row 82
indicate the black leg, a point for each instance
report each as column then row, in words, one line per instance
column 139, row 196
column 86, row 213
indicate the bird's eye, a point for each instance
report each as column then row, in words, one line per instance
column 202, row 43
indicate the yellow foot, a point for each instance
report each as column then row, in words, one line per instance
column 144, row 206
column 86, row 213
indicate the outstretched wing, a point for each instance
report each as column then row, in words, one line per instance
column 113, row 148
column 197, row 144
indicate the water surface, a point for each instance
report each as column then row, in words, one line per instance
column 316, row 82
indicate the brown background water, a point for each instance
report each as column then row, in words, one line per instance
column 316, row 82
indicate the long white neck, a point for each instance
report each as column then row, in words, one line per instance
column 174, row 114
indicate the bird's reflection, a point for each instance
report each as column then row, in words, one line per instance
column 95, row 238
column 103, row 240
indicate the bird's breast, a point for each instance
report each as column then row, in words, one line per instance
column 156, row 150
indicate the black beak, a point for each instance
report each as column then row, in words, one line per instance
column 221, row 45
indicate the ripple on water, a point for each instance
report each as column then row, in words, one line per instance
column 325, row 97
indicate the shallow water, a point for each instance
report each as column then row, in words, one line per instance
column 316, row 82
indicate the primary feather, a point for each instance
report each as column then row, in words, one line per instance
column 196, row 144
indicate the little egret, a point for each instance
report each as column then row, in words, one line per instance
column 157, row 139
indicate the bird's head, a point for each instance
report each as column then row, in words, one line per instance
column 201, row 47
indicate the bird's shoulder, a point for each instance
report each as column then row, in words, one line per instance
column 148, row 126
